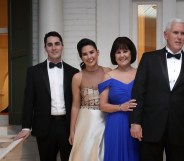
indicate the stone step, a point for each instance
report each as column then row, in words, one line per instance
column 18, row 150
column 4, row 120
column 9, row 130
column 15, row 150
column 3, row 130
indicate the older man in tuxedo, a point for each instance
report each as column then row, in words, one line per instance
column 158, row 119
column 47, row 103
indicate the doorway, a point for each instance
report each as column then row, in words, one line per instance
column 147, row 26
column 4, row 102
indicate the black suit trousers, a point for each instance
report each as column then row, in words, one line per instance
column 153, row 151
column 56, row 141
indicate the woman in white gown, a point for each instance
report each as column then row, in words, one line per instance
column 87, row 121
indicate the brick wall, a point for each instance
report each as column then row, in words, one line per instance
column 79, row 22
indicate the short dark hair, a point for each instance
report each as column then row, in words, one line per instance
column 52, row 33
column 123, row 43
column 82, row 43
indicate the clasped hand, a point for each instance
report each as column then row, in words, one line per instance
column 128, row 106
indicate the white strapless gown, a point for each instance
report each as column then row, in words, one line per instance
column 88, row 140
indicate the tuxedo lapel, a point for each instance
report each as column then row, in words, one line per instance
column 65, row 81
column 163, row 64
column 44, row 74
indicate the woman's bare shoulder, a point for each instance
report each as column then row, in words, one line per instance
column 77, row 76
column 107, row 69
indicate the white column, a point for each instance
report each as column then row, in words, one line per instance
column 50, row 19
column 125, row 17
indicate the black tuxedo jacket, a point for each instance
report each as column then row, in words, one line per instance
column 37, row 100
column 159, row 109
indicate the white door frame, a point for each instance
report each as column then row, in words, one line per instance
column 159, row 26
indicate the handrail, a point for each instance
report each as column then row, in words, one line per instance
column 13, row 143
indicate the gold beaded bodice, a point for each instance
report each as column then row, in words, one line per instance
column 89, row 88
column 90, row 98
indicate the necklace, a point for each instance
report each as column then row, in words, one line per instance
column 94, row 70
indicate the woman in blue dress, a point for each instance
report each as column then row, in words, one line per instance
column 115, row 99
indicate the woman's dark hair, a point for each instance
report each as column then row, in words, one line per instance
column 52, row 33
column 123, row 43
column 82, row 43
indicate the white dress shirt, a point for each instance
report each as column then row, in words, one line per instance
column 57, row 90
column 173, row 67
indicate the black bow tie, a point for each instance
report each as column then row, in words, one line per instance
column 177, row 56
column 52, row 65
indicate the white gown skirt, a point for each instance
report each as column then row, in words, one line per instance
column 89, row 136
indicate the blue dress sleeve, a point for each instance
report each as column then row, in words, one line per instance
column 102, row 86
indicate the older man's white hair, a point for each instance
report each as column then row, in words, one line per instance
column 174, row 20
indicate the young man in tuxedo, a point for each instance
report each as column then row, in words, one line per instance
column 158, row 119
column 47, row 102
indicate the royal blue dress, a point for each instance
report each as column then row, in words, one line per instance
column 119, row 145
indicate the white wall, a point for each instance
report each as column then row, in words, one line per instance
column 180, row 9
column 107, row 28
column 79, row 22
column 103, row 21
